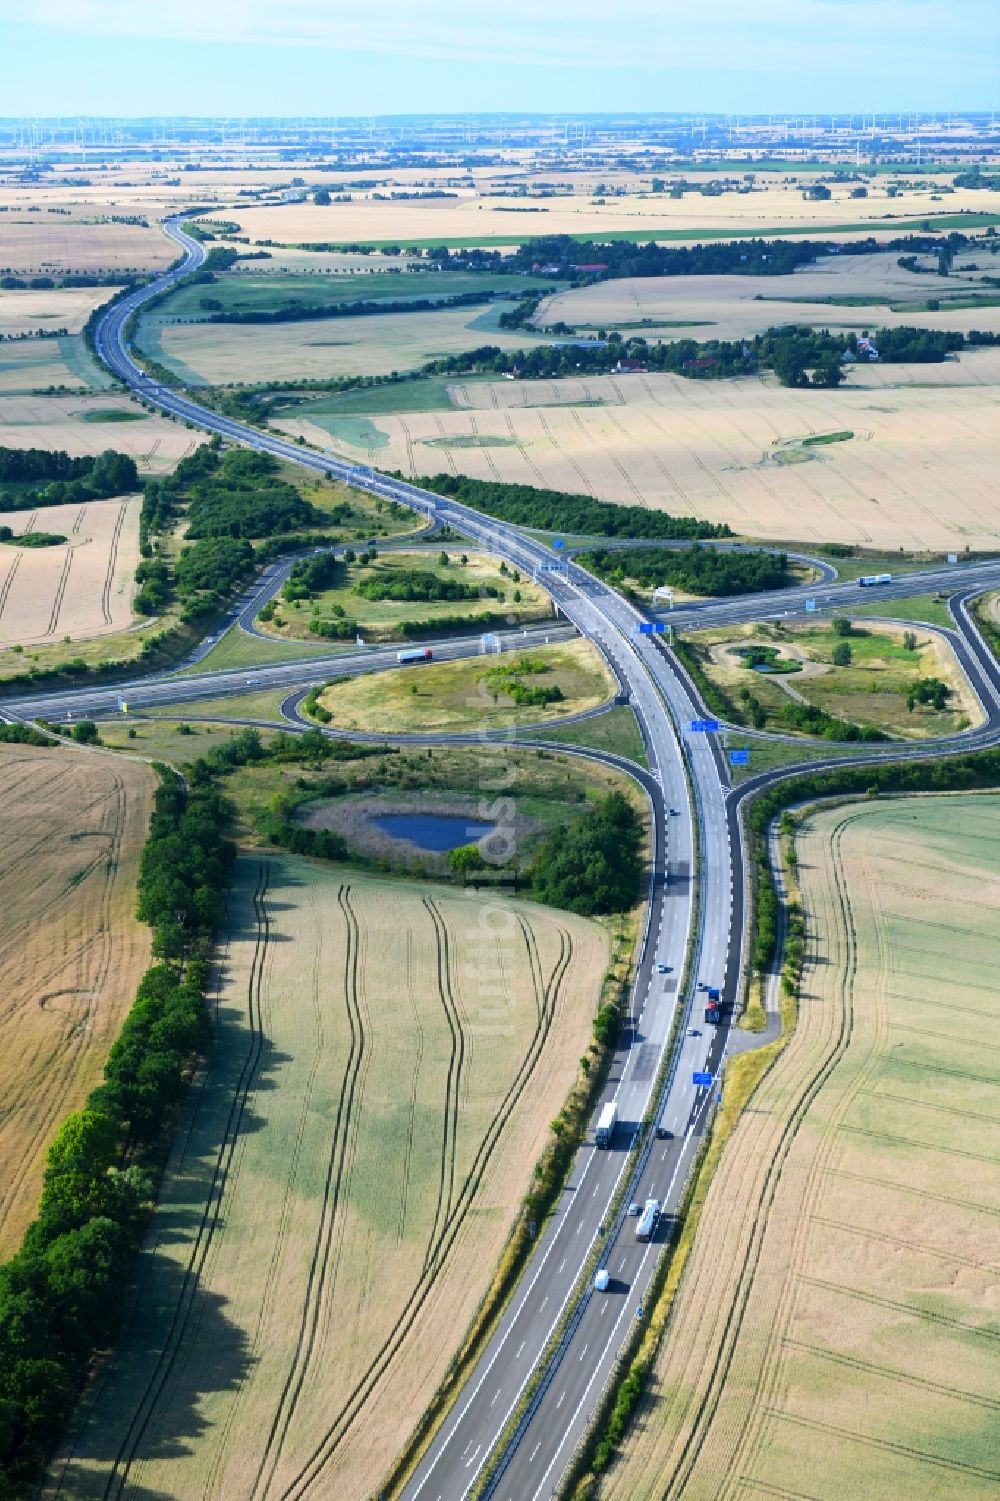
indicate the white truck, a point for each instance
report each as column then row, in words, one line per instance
column 606, row 1123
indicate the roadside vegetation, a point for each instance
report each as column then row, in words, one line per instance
column 695, row 570
column 834, row 679
column 476, row 693
column 393, row 596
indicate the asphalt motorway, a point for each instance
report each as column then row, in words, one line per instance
column 612, row 624
column 688, row 777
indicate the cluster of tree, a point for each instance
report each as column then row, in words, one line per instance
column 975, row 177
column 698, row 570
column 298, row 312
column 594, row 864
column 812, row 720
column 483, row 620
column 310, row 576
column 419, row 584
column 239, row 494
column 37, row 477
column 61, row 1294
column 919, row 346
column 562, row 511
column 509, row 679
column 23, row 734
column 933, row 691
column 31, row 539
column 619, row 258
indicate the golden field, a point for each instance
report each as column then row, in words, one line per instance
column 81, row 588
column 71, row 951
column 80, row 425
column 835, row 1330
column 919, row 471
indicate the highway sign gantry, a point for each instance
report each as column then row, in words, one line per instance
column 702, row 1079
column 704, row 727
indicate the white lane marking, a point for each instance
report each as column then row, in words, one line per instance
column 520, row 1348
column 473, row 1455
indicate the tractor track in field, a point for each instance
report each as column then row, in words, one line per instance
column 547, row 996
column 109, row 576
column 270, row 1288
column 9, row 579
column 453, row 1079
column 337, row 1180
column 60, row 595
column 211, row 1217
column 418, row 1028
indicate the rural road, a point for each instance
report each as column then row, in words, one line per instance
column 696, row 893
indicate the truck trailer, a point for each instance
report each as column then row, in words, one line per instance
column 606, row 1123
column 646, row 1226
column 415, row 654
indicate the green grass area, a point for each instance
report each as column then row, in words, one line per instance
column 852, row 568
column 665, row 233
column 427, row 393
column 925, row 608
column 766, row 755
column 472, row 440
column 261, row 705
column 237, row 649
column 163, row 739
column 382, row 618
column 243, row 291
column 463, row 695
column 112, row 414
column 616, row 731
column 871, row 689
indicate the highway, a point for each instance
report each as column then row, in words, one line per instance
column 695, row 911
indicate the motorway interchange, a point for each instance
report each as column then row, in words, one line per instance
column 529, row 1399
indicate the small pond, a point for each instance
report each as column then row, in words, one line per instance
column 437, row 832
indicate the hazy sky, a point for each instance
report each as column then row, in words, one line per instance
column 329, row 57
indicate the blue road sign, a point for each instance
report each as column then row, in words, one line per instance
column 739, row 758
column 810, row 606
column 558, row 542
column 704, row 726
column 651, row 628
column 700, row 1079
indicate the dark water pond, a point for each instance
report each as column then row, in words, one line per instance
column 432, row 831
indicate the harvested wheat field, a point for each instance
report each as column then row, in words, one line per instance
column 36, row 244
column 69, row 308
column 71, row 951
column 918, row 469
column 317, row 348
column 83, row 425
column 772, row 208
column 76, row 589
column 735, row 307
column 836, row 1330
column 388, row 1059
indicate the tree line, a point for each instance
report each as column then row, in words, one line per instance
column 61, row 1293
column 297, row 312
column 564, row 511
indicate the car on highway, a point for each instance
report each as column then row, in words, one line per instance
column 634, row 1208
column 602, row 1280
column 661, row 969
column 674, row 813
column 693, row 1032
